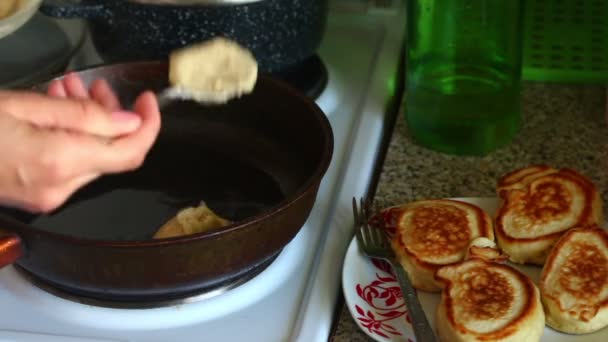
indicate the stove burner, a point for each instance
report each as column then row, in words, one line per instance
column 167, row 301
column 310, row 76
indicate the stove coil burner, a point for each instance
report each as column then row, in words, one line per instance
column 167, row 301
column 309, row 77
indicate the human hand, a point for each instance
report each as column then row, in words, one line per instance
column 53, row 145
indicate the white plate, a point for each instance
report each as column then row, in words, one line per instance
column 374, row 298
column 17, row 19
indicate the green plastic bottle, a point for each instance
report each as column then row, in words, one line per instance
column 463, row 80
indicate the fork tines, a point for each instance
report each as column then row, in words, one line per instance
column 367, row 236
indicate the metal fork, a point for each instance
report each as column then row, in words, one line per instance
column 374, row 243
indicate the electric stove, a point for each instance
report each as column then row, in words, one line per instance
column 293, row 298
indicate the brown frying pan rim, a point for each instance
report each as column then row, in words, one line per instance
column 312, row 181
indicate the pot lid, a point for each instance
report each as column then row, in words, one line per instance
column 194, row 2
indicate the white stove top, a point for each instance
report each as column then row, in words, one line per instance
column 294, row 298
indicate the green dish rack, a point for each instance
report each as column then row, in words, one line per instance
column 566, row 41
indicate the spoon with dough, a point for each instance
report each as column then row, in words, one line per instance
column 210, row 72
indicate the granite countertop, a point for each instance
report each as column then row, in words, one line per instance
column 563, row 126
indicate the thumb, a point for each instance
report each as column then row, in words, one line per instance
column 81, row 115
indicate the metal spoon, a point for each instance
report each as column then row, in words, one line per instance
column 171, row 94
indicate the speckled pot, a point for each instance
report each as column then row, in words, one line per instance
column 280, row 33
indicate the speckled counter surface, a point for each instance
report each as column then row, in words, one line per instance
column 564, row 126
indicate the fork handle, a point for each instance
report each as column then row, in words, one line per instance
column 422, row 328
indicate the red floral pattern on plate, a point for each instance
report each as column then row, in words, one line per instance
column 384, row 297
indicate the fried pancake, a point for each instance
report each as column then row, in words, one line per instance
column 539, row 204
column 488, row 301
column 574, row 282
column 191, row 220
column 430, row 234
column 486, row 249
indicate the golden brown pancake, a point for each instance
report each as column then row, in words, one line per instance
column 539, row 204
column 485, row 249
column 488, row 301
column 574, row 282
column 191, row 220
column 430, row 234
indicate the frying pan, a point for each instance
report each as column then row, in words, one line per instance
column 257, row 161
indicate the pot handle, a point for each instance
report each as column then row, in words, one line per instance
column 75, row 8
column 11, row 247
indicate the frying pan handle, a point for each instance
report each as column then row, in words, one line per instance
column 11, row 247
column 75, row 8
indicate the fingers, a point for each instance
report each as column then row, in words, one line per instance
column 104, row 95
column 65, row 155
column 81, row 115
column 128, row 152
column 44, row 165
column 74, row 86
column 57, row 89
column 146, row 106
column 65, row 161
column 31, row 176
